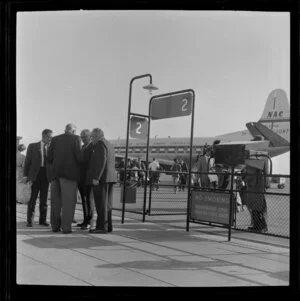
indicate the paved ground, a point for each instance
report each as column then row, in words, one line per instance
column 156, row 253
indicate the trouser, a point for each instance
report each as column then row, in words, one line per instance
column 63, row 202
column 103, row 197
column 259, row 221
column 85, row 191
column 176, row 183
column 40, row 185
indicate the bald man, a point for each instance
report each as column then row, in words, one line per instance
column 65, row 156
column 101, row 174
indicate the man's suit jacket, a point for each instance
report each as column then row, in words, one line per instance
column 102, row 163
column 33, row 162
column 65, row 156
column 86, row 153
column 203, row 167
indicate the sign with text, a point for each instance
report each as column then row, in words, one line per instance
column 138, row 127
column 174, row 105
column 210, row 206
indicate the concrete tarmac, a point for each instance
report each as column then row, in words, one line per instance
column 159, row 253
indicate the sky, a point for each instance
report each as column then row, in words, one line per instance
column 75, row 67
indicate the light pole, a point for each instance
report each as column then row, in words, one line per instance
column 148, row 87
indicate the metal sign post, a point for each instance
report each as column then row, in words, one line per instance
column 137, row 132
column 170, row 105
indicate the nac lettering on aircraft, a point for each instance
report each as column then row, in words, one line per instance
column 273, row 114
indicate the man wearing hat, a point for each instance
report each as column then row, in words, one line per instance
column 255, row 183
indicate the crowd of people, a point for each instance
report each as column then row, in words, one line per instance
column 86, row 163
column 71, row 163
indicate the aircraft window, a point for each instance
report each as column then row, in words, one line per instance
column 180, row 150
column 122, row 150
column 153, row 150
column 171, row 150
column 198, row 149
column 162, row 150
column 137, row 150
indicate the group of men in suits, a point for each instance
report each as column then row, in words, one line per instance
column 62, row 160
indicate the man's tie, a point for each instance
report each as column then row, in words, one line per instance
column 44, row 155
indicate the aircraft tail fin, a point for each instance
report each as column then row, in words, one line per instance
column 277, row 107
column 257, row 129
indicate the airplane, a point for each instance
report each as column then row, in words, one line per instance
column 271, row 133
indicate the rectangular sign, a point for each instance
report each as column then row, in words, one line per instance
column 210, row 206
column 138, row 127
column 175, row 105
column 231, row 155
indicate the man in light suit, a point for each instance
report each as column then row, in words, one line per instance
column 101, row 174
column 38, row 173
column 65, row 156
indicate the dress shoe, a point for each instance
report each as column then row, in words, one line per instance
column 44, row 224
column 56, row 230
column 29, row 225
column 85, row 227
column 97, row 231
column 67, row 232
column 74, row 221
column 80, row 224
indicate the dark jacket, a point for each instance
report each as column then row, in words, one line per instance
column 102, row 163
column 86, row 153
column 33, row 162
column 255, row 188
column 65, row 156
column 202, row 166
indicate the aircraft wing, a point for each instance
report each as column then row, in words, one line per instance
column 256, row 128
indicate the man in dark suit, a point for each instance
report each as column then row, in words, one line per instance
column 65, row 156
column 101, row 174
column 85, row 190
column 36, row 171
column 202, row 166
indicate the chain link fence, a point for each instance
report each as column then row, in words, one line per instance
column 168, row 195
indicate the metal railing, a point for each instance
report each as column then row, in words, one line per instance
column 167, row 197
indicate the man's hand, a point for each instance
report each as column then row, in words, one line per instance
column 95, row 182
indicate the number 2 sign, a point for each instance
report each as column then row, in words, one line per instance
column 138, row 127
column 171, row 105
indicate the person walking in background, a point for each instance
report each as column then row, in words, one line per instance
column 101, row 174
column 65, row 155
column 203, row 168
column 121, row 171
column 35, row 172
column 153, row 173
column 218, row 167
column 85, row 190
column 176, row 169
column 183, row 176
column 19, row 168
column 141, row 173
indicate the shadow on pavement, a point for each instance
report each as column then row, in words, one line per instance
column 167, row 265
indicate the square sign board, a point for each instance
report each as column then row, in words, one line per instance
column 174, row 105
column 138, row 127
column 210, row 206
column 230, row 154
